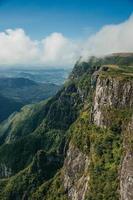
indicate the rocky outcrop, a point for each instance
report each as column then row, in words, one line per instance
column 117, row 93
column 126, row 181
column 111, row 93
column 75, row 170
column 126, row 176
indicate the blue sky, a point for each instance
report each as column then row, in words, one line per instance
column 73, row 18
column 57, row 32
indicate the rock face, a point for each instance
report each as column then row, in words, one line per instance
column 111, row 93
column 126, row 176
column 115, row 93
column 126, row 181
column 75, row 174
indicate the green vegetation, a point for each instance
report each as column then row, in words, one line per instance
column 104, row 147
column 27, row 146
column 38, row 127
column 42, row 168
column 105, row 151
column 51, row 190
column 79, row 133
column 22, row 123
column 119, row 72
column 121, row 59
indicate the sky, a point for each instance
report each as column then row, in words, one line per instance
column 57, row 32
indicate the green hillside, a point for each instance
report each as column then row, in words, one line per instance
column 17, row 92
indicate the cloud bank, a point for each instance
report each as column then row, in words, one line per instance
column 17, row 48
column 111, row 39
column 59, row 50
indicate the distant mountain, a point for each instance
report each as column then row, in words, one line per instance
column 55, row 76
column 15, row 82
column 17, row 92
column 26, row 91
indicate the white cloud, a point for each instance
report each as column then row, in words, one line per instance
column 59, row 51
column 17, row 48
column 111, row 39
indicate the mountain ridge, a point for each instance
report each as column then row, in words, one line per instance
column 18, row 92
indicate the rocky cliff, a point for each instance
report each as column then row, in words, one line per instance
column 112, row 112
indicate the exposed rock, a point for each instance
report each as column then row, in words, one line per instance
column 126, row 181
column 75, row 172
column 126, row 178
column 111, row 93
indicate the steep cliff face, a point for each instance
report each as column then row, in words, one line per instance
column 126, row 181
column 126, row 175
column 118, row 94
column 76, row 176
column 111, row 111
column 111, row 93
